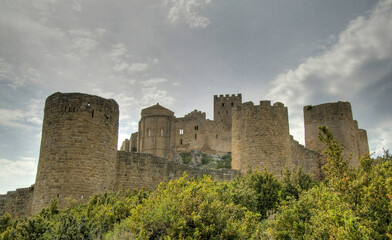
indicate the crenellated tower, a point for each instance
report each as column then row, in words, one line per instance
column 260, row 137
column 223, row 106
column 78, row 148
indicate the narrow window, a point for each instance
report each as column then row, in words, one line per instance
column 181, row 141
column 216, row 136
column 218, row 113
column 196, row 127
column 223, row 104
column 92, row 114
column 195, row 136
column 88, row 104
column 149, row 132
column 58, row 195
column 181, row 131
column 161, row 132
column 232, row 104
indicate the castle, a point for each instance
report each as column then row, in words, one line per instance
column 79, row 157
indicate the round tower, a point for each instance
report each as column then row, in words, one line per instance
column 339, row 119
column 78, row 148
column 260, row 137
column 154, row 133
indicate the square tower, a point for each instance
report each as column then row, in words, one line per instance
column 223, row 105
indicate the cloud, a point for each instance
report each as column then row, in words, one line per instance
column 17, row 118
column 380, row 137
column 153, row 95
column 130, row 69
column 153, row 81
column 365, row 41
column 17, row 174
column 22, row 167
column 342, row 71
column 189, row 12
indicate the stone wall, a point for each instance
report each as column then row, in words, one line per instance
column 78, row 148
column 260, row 137
column 310, row 161
column 223, row 105
column 17, row 203
column 133, row 142
column 155, row 131
column 125, row 146
column 363, row 145
column 339, row 119
column 197, row 133
column 140, row 170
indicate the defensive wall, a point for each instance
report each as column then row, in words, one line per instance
column 223, row 105
column 78, row 148
column 79, row 157
column 339, row 119
column 18, row 202
column 260, row 137
column 140, row 170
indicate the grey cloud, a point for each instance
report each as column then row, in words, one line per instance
column 337, row 72
column 189, row 12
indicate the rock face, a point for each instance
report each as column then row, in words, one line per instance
column 78, row 148
column 79, row 157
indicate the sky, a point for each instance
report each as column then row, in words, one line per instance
column 181, row 52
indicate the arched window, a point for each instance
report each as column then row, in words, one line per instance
column 149, row 132
column 162, row 132
column 181, row 131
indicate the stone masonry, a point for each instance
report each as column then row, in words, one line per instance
column 79, row 157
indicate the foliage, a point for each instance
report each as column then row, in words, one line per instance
column 349, row 204
column 186, row 157
column 225, row 162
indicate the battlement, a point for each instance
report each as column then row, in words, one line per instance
column 328, row 112
column 227, row 96
column 264, row 104
column 196, row 114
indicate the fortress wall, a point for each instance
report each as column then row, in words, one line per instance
column 139, row 170
column 125, row 146
column 363, row 145
column 309, row 160
column 338, row 118
column 17, row 203
column 260, row 137
column 223, row 105
column 133, row 143
column 201, row 134
column 78, row 148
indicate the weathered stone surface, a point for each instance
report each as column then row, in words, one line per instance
column 18, row 202
column 78, row 148
column 261, row 137
column 79, row 157
column 339, row 119
column 141, row 170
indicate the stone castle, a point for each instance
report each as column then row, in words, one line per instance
column 79, row 157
